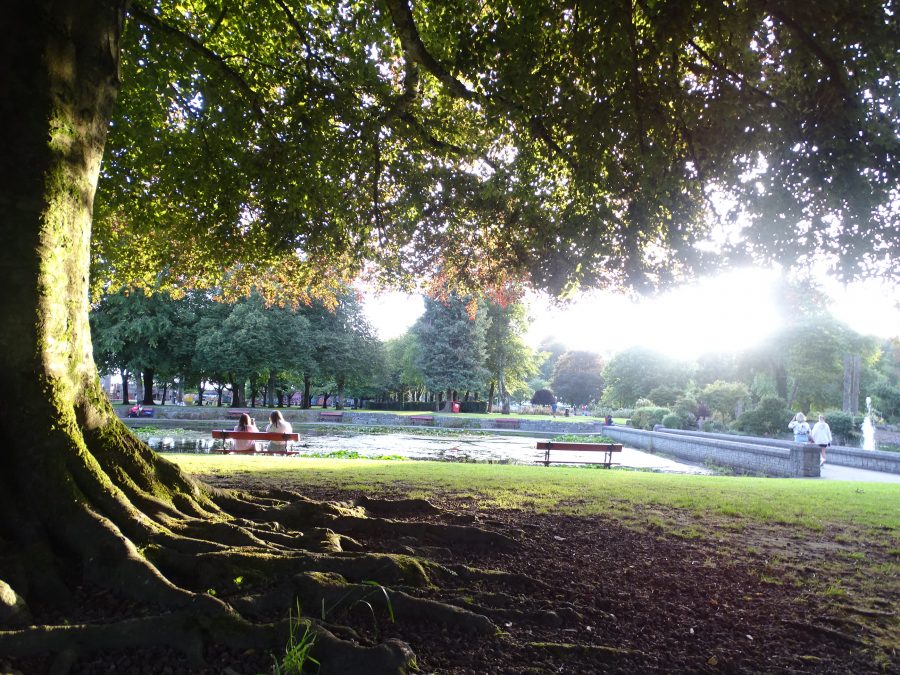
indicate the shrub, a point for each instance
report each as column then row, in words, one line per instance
column 473, row 406
column 543, row 397
column 622, row 412
column 672, row 421
column 383, row 405
column 665, row 395
column 420, row 406
column 769, row 418
column 648, row 417
column 714, row 427
column 644, row 403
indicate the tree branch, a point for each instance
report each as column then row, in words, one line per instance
column 150, row 19
column 730, row 74
column 415, row 50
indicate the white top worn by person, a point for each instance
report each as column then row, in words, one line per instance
column 800, row 428
column 279, row 425
column 821, row 436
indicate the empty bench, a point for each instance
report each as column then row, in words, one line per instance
column 331, row 416
column 559, row 446
column 422, row 420
column 506, row 423
column 224, row 435
column 235, row 413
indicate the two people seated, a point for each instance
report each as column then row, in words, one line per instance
column 277, row 424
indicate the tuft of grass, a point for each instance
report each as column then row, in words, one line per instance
column 297, row 652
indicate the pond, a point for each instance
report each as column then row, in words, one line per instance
column 457, row 448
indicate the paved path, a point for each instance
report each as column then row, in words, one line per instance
column 834, row 472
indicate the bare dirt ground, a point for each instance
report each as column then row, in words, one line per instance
column 592, row 595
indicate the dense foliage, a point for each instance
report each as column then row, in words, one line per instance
column 284, row 145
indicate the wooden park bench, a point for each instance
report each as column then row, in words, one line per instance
column 506, row 423
column 331, row 415
column 235, row 413
column 555, row 446
column 423, row 420
column 224, row 435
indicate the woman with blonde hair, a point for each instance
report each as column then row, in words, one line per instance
column 821, row 436
column 279, row 425
column 800, row 427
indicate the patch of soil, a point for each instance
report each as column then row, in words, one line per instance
column 579, row 595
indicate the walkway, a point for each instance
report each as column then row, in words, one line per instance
column 834, row 472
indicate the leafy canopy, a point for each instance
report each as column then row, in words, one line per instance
column 293, row 145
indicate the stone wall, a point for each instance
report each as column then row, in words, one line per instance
column 298, row 416
column 797, row 460
column 839, row 455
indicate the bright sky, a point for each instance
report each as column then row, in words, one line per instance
column 727, row 313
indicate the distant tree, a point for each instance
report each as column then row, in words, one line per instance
column 635, row 372
column 509, row 360
column 665, row 395
column 725, row 397
column 402, row 375
column 578, row 377
column 543, row 397
column 552, row 349
column 453, row 345
column 136, row 331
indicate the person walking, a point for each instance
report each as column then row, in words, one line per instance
column 278, row 424
column 800, row 427
column 821, row 436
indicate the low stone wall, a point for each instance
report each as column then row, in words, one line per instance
column 298, row 416
column 796, row 461
column 839, row 455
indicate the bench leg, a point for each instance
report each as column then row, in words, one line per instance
column 607, row 460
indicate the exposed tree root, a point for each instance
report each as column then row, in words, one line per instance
column 298, row 553
column 596, row 652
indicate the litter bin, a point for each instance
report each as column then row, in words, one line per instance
column 454, row 407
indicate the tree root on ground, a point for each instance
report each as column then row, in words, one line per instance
column 279, row 555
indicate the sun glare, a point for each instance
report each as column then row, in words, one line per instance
column 728, row 313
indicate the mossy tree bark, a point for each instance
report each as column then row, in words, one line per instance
column 83, row 503
column 68, row 463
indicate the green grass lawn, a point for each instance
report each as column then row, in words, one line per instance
column 809, row 503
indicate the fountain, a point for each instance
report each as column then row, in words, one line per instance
column 868, row 428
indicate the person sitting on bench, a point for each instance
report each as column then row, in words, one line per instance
column 245, row 424
column 278, row 424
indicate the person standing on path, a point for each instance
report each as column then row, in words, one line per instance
column 800, row 427
column 821, row 436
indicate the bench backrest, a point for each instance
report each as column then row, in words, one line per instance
column 255, row 435
column 561, row 445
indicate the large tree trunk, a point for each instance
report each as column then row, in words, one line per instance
column 61, row 442
column 83, row 504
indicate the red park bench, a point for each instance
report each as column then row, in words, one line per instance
column 506, row 423
column 224, row 435
column 235, row 413
column 331, row 415
column 606, row 448
column 422, row 420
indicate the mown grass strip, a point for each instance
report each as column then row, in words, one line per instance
column 809, row 503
